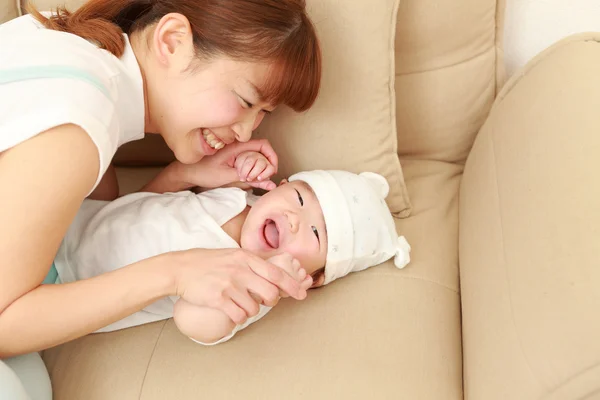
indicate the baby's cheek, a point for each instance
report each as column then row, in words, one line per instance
column 301, row 254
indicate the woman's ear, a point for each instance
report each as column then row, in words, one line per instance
column 172, row 35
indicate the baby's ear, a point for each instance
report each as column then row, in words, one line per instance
column 283, row 182
column 318, row 280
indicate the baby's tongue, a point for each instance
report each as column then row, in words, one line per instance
column 272, row 234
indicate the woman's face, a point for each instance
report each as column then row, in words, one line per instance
column 199, row 106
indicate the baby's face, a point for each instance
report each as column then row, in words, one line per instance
column 287, row 219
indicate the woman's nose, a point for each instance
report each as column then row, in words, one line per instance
column 243, row 130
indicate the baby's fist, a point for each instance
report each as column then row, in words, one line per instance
column 254, row 169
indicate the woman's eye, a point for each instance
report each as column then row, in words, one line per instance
column 246, row 103
column 315, row 231
column 300, row 198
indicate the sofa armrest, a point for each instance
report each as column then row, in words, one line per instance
column 530, row 233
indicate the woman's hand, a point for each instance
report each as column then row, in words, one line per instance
column 233, row 281
column 237, row 162
column 219, row 169
column 292, row 267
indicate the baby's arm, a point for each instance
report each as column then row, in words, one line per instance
column 203, row 324
column 208, row 325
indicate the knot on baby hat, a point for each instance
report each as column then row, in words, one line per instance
column 360, row 228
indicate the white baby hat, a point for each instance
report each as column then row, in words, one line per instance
column 360, row 227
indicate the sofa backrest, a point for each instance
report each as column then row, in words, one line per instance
column 449, row 67
column 448, row 71
column 8, row 10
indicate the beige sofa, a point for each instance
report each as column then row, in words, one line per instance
column 501, row 298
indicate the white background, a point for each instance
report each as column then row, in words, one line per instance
column 533, row 25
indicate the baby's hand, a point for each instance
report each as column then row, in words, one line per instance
column 254, row 169
column 293, row 268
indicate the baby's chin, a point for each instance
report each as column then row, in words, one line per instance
column 251, row 244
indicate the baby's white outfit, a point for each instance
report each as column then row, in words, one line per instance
column 106, row 236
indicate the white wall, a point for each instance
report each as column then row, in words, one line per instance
column 533, row 25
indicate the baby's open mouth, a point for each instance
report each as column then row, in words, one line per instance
column 271, row 233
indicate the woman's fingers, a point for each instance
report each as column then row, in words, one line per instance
column 233, row 311
column 266, row 185
column 277, row 277
column 267, row 292
column 244, row 300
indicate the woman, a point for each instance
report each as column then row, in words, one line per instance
column 75, row 86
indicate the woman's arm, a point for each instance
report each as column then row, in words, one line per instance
column 108, row 188
column 220, row 169
column 43, row 181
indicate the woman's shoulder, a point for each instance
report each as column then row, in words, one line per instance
column 49, row 78
column 24, row 42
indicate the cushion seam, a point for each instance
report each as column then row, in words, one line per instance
column 504, row 259
column 411, row 277
column 573, row 377
column 406, row 209
column 458, row 63
column 151, row 357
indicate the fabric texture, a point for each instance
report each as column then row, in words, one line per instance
column 51, row 277
column 50, row 78
column 8, row 10
column 360, row 228
column 448, row 72
column 11, row 387
column 24, row 378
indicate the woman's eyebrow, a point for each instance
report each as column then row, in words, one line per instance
column 257, row 93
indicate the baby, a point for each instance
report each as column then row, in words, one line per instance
column 329, row 222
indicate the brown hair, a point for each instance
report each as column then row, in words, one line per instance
column 318, row 274
column 278, row 32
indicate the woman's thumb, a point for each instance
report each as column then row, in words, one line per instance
column 265, row 185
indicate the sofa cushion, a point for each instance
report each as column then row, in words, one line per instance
column 8, row 10
column 382, row 333
column 352, row 125
column 448, row 70
column 530, row 276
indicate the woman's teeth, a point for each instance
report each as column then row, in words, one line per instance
column 212, row 140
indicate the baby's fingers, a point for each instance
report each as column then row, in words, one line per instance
column 258, row 168
column 268, row 172
column 246, row 168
